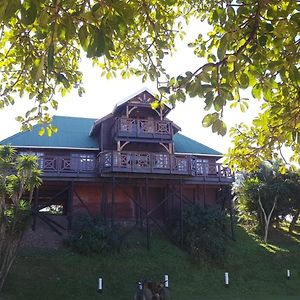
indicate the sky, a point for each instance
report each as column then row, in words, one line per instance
column 102, row 95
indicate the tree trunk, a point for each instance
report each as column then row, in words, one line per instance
column 7, row 258
column 294, row 221
column 11, row 236
column 267, row 218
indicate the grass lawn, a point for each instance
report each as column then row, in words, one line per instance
column 256, row 272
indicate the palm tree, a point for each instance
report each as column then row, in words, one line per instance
column 19, row 174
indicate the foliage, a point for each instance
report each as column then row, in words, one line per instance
column 203, row 232
column 91, row 235
column 266, row 196
column 18, row 175
column 41, row 43
column 252, row 44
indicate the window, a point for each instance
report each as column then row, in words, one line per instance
column 200, row 166
column 83, row 162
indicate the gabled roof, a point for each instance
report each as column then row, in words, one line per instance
column 72, row 133
column 184, row 144
column 142, row 97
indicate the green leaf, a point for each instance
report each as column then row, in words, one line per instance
column 3, row 6
column 49, row 131
column 294, row 75
column 70, row 28
column 96, row 47
column 28, row 15
column 44, row 19
column 11, row 8
column 39, row 70
column 244, row 81
column 256, row 91
column 209, row 119
column 219, row 127
column 222, row 47
column 219, row 102
column 84, row 37
column 42, row 131
column 209, row 97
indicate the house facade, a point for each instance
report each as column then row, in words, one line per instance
column 132, row 164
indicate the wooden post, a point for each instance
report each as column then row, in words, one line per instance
column 35, row 209
column 113, row 201
column 141, row 213
column 181, row 216
column 70, row 205
column 147, row 217
column 104, row 203
column 204, row 195
column 136, row 208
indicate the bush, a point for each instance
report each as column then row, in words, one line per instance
column 203, row 232
column 91, row 235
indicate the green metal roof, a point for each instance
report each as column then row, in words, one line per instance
column 184, row 144
column 73, row 133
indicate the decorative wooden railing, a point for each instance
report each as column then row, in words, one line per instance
column 88, row 165
column 142, row 128
column 161, row 163
column 73, row 165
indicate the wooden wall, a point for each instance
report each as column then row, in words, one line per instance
column 97, row 198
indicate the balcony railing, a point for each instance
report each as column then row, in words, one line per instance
column 74, row 165
column 161, row 163
column 88, row 165
column 142, row 128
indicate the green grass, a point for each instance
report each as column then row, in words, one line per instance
column 256, row 272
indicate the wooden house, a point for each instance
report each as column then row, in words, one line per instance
column 132, row 164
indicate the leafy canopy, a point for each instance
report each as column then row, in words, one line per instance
column 253, row 44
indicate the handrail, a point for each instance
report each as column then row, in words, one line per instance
column 145, row 162
column 86, row 164
column 144, row 128
column 76, row 163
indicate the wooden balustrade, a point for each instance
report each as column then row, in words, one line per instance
column 88, row 165
column 161, row 163
column 143, row 128
column 76, row 164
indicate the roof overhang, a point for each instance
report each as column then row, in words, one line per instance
column 200, row 154
column 98, row 122
column 54, row 148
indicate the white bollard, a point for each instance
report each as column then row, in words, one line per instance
column 166, row 281
column 288, row 274
column 100, row 285
column 226, row 279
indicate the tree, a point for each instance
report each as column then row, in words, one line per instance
column 252, row 44
column 18, row 174
column 262, row 197
column 293, row 209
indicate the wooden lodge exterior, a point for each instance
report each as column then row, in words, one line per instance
column 129, row 165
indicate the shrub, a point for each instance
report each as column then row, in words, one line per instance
column 91, row 235
column 203, row 232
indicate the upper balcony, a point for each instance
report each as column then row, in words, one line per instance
column 143, row 129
